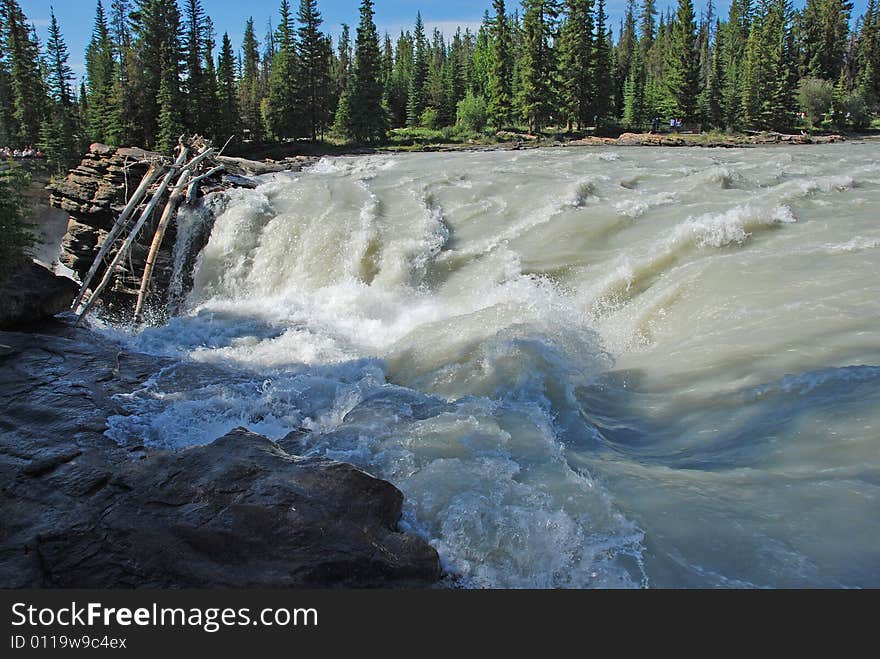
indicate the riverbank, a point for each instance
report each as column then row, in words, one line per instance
column 299, row 154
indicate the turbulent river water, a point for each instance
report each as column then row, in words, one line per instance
column 583, row 367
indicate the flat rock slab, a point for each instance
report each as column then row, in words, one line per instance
column 79, row 511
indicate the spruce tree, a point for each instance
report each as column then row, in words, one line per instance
column 715, row 98
column 396, row 91
column 101, row 112
column 604, row 88
column 227, row 97
column 361, row 111
column 155, row 80
column 501, row 69
column 627, row 42
column 199, row 92
column 314, row 69
column 281, row 110
column 250, row 92
column 536, row 100
column 58, row 133
column 576, row 63
column 682, row 71
column 27, row 96
column 415, row 104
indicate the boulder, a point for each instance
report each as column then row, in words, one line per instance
column 78, row 510
column 33, row 293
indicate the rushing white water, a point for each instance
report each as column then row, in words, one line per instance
column 583, row 367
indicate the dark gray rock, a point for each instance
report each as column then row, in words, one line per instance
column 78, row 510
column 33, row 293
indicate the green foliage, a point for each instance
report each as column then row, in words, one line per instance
column 363, row 119
column 577, row 65
column 500, row 86
column 430, row 119
column 815, row 96
column 472, row 113
column 682, row 70
column 16, row 231
column 229, row 126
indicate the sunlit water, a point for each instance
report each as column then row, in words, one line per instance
column 583, row 367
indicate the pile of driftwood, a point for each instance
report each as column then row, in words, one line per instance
column 196, row 161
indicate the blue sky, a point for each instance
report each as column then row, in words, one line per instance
column 76, row 16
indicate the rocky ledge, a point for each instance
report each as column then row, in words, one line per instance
column 79, row 511
column 33, row 293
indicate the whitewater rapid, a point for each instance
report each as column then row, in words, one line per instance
column 583, row 367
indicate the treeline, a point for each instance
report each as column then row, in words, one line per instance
column 156, row 69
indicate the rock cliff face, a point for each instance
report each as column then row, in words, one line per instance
column 79, row 511
column 94, row 194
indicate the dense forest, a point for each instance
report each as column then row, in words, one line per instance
column 156, row 69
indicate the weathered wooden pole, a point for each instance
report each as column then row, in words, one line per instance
column 170, row 209
column 123, row 250
column 120, row 224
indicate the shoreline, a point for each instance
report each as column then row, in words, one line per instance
column 300, row 153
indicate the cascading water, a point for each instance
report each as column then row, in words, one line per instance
column 583, row 368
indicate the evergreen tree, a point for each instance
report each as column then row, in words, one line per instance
column 155, row 80
column 227, row 97
column 200, row 94
column 536, row 99
column 576, row 63
column 26, row 94
column 626, row 44
column 281, row 109
column 415, row 104
column 314, row 69
column 58, row 133
column 682, row 71
column 715, row 98
column 396, row 92
column 634, row 110
column 362, row 115
column 101, row 108
column 501, row 69
column 127, row 110
column 251, row 85
column 602, row 56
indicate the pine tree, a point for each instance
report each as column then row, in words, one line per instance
column 634, row 111
column 604, row 87
column 715, row 98
column 361, row 115
column 626, row 44
column 281, row 110
column 27, row 96
column 314, row 69
column 536, row 100
column 576, row 63
column 682, row 71
column 501, row 69
column 101, row 108
column 155, row 80
column 58, row 133
column 227, row 97
column 396, row 91
column 415, row 104
column 199, row 91
column 251, row 92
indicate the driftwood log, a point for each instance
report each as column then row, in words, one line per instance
column 181, row 178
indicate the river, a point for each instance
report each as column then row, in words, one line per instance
column 583, row 367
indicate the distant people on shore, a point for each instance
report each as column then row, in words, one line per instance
column 28, row 152
column 655, row 125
